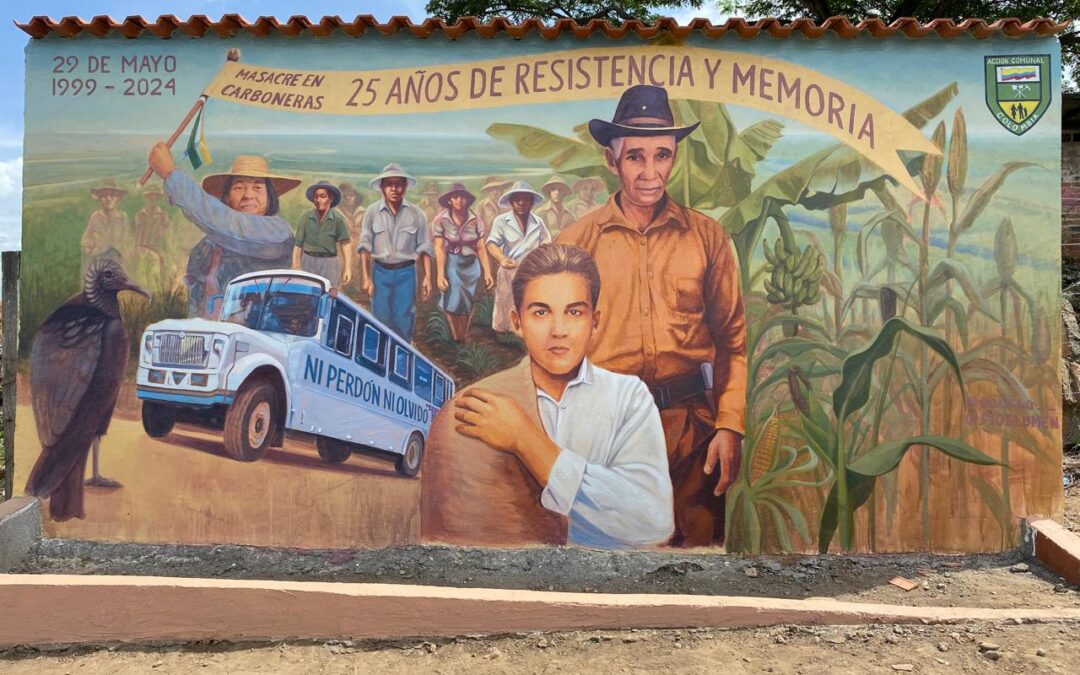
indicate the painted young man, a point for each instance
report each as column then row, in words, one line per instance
column 599, row 450
column 555, row 214
column 107, row 232
column 585, row 190
column 322, row 237
column 673, row 311
column 394, row 236
column 151, row 230
column 511, row 236
column 238, row 214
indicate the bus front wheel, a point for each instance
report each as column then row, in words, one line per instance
column 332, row 450
column 157, row 419
column 408, row 464
column 251, row 422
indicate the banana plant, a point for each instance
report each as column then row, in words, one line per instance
column 714, row 166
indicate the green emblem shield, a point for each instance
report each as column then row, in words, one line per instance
column 1018, row 89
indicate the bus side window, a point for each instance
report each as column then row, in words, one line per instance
column 449, row 389
column 440, row 384
column 401, row 365
column 343, row 343
column 371, row 350
column 422, row 373
column 340, row 335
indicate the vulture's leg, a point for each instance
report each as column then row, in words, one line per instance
column 97, row 480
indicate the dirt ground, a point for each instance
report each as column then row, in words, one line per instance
column 1072, row 492
column 999, row 580
column 1042, row 648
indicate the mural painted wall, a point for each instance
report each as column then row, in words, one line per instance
column 766, row 295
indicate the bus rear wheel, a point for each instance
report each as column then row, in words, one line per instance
column 157, row 419
column 333, row 450
column 251, row 422
column 408, row 464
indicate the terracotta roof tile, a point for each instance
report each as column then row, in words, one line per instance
column 167, row 26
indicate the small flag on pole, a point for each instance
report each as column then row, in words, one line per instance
column 198, row 153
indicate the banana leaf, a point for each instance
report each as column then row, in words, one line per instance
column 716, row 163
column 857, row 371
column 564, row 155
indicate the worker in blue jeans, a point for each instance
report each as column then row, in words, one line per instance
column 394, row 237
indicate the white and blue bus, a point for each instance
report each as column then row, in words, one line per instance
column 289, row 353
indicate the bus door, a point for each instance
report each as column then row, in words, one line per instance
column 318, row 403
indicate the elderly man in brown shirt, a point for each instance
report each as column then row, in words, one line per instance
column 672, row 308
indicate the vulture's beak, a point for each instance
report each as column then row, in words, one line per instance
column 136, row 288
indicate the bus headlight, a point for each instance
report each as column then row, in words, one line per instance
column 146, row 355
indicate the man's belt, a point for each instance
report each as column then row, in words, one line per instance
column 397, row 265
column 320, row 254
column 677, row 389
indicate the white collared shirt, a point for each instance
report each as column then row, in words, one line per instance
column 611, row 477
column 515, row 244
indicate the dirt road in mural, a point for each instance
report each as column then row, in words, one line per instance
column 171, row 489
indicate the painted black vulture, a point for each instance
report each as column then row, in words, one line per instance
column 76, row 365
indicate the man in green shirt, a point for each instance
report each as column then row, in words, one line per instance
column 322, row 237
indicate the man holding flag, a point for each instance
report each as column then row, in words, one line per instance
column 238, row 213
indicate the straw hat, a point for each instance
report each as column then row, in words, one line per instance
column 153, row 192
column 597, row 183
column 347, row 187
column 431, row 189
column 554, row 182
column 456, row 188
column 520, row 187
column 108, row 186
column 392, row 170
column 249, row 166
column 332, row 190
column 496, row 183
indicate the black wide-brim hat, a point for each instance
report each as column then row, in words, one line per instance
column 643, row 110
column 332, row 190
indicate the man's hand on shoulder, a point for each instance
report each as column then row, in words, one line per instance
column 502, row 424
column 725, row 452
column 492, row 418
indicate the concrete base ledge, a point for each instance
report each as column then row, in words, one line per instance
column 104, row 609
column 1056, row 548
column 20, row 529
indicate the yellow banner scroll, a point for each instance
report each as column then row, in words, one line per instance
column 770, row 85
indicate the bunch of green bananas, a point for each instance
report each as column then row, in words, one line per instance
column 795, row 276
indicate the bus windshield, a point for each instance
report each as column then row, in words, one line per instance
column 278, row 304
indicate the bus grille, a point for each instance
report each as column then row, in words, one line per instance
column 177, row 350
